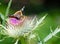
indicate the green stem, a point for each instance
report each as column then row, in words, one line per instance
column 23, row 40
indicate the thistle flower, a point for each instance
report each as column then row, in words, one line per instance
column 19, row 25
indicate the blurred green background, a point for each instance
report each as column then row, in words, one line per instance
column 39, row 8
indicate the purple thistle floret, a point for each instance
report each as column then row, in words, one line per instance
column 15, row 21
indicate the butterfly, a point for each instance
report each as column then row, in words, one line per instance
column 18, row 15
column 17, row 18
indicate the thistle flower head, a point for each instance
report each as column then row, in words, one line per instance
column 18, row 24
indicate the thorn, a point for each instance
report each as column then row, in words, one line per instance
column 16, row 41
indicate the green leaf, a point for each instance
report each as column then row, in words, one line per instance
column 8, row 7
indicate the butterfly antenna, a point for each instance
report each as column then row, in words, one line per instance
column 22, row 8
